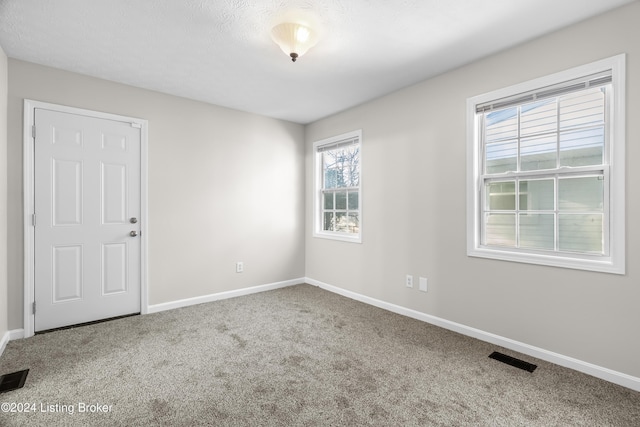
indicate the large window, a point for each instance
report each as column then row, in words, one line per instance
column 546, row 170
column 337, row 209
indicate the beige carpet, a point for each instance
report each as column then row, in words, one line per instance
column 294, row 356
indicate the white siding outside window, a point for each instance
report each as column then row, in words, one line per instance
column 546, row 170
column 338, row 198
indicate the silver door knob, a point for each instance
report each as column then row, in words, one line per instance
column 133, row 220
column 133, row 233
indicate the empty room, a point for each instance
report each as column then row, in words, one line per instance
column 332, row 212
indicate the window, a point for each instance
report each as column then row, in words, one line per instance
column 337, row 208
column 546, row 170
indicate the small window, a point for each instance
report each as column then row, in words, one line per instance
column 337, row 209
column 546, row 170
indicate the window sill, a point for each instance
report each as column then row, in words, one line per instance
column 601, row 264
column 343, row 237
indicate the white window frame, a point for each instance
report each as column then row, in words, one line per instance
column 318, row 189
column 613, row 261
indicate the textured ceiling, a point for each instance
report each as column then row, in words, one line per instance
column 221, row 52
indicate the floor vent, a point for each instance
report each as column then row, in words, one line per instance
column 13, row 381
column 513, row 361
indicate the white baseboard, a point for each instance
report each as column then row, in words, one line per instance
column 3, row 342
column 14, row 334
column 540, row 353
column 222, row 295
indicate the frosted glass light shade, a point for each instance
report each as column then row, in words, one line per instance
column 294, row 39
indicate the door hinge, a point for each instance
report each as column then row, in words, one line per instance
column 33, row 131
column 136, row 125
column 33, row 220
column 34, row 307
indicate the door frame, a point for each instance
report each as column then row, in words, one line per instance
column 29, row 202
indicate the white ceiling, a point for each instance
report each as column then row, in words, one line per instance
column 221, row 52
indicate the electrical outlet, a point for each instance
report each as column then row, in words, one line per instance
column 423, row 284
column 239, row 267
column 409, row 281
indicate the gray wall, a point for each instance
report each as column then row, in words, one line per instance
column 414, row 201
column 224, row 186
column 3, row 192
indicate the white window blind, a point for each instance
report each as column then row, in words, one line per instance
column 585, row 82
column 341, row 144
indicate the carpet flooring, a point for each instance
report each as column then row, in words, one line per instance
column 298, row 356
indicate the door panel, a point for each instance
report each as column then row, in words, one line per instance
column 114, row 193
column 67, row 192
column 87, row 187
column 67, row 273
column 66, row 136
column 114, row 142
column 114, row 268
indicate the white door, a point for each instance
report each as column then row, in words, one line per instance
column 87, row 210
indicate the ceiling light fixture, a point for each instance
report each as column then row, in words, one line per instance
column 294, row 39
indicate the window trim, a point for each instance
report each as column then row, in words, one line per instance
column 614, row 262
column 317, row 189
